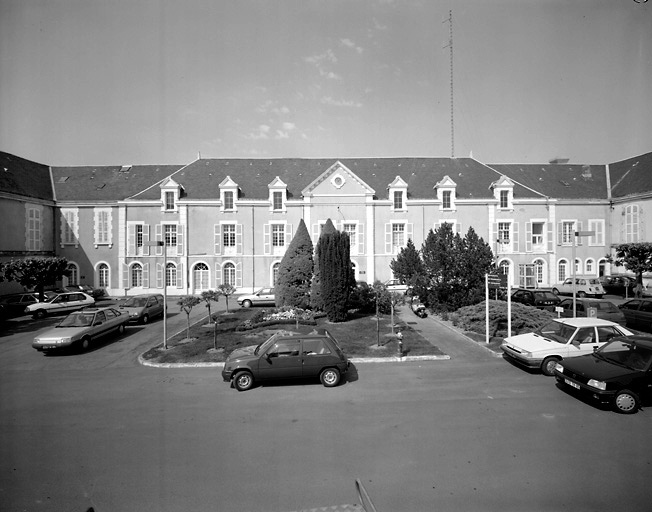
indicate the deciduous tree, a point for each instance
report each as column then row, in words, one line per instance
column 36, row 273
column 635, row 257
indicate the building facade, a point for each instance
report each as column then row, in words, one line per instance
column 132, row 229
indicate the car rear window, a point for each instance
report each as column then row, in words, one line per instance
column 545, row 295
column 605, row 306
column 594, row 281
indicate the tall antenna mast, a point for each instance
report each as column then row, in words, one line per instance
column 450, row 47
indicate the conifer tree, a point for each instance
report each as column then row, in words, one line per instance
column 292, row 287
column 335, row 274
column 315, row 289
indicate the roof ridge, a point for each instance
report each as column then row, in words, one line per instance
column 133, row 196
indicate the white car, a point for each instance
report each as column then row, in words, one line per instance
column 584, row 287
column 263, row 297
column 558, row 339
column 60, row 303
column 394, row 285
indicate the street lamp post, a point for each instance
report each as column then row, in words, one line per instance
column 160, row 243
column 577, row 234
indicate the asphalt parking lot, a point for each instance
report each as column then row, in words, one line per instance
column 469, row 433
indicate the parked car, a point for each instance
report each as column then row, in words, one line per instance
column 285, row 356
column 142, row 308
column 584, row 287
column 96, row 293
column 540, row 299
column 638, row 314
column 419, row 309
column 602, row 308
column 263, row 297
column 60, row 303
column 619, row 373
column 618, row 285
column 560, row 339
column 15, row 304
column 81, row 328
column 394, row 285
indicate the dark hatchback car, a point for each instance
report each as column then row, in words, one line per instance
column 284, row 357
column 638, row 314
column 618, row 285
column 598, row 308
column 540, row 299
column 619, row 373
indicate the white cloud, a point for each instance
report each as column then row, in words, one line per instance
column 288, row 126
column 351, row 44
column 322, row 61
column 328, row 100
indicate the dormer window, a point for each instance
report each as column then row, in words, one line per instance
column 229, row 195
column 228, row 200
column 169, row 200
column 446, row 194
column 278, row 193
column 170, row 193
column 398, row 200
column 504, row 193
column 398, row 194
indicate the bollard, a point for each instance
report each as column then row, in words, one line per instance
column 399, row 339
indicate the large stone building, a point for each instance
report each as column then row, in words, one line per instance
column 230, row 220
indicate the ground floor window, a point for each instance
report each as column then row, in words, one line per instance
column 201, row 277
column 103, row 275
column 136, row 275
column 73, row 276
column 228, row 274
column 170, row 274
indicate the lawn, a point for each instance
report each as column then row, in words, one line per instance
column 358, row 337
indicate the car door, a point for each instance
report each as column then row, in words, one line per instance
column 266, row 297
column 59, row 304
column 75, row 302
column 283, row 360
column 316, row 355
column 630, row 309
column 644, row 316
column 584, row 342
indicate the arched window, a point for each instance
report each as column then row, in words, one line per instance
column 103, row 275
column 275, row 268
column 539, row 266
column 590, row 266
column 200, row 276
column 602, row 266
column 136, row 275
column 562, row 270
column 73, row 277
column 228, row 274
column 578, row 266
column 170, row 274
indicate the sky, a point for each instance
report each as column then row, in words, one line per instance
column 131, row 82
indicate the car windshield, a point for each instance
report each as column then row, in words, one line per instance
column 594, row 281
column 557, row 331
column 626, row 353
column 135, row 302
column 77, row 320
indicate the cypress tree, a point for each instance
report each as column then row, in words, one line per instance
column 336, row 274
column 315, row 290
column 294, row 278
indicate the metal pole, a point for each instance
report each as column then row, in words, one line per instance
column 486, row 309
column 160, row 243
column 574, row 267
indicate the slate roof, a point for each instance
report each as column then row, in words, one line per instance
column 559, row 181
column 631, row 176
column 107, row 183
column 201, row 179
column 25, row 178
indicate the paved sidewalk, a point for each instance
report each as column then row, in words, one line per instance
column 448, row 338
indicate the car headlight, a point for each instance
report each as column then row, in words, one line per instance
column 559, row 368
column 597, row 384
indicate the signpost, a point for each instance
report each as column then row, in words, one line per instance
column 492, row 281
column 160, row 243
column 577, row 234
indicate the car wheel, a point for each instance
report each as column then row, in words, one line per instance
column 246, row 303
column 121, row 329
column 626, row 402
column 41, row 313
column 145, row 319
column 243, row 381
column 330, row 377
column 581, row 294
column 548, row 366
column 84, row 343
column 555, row 291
